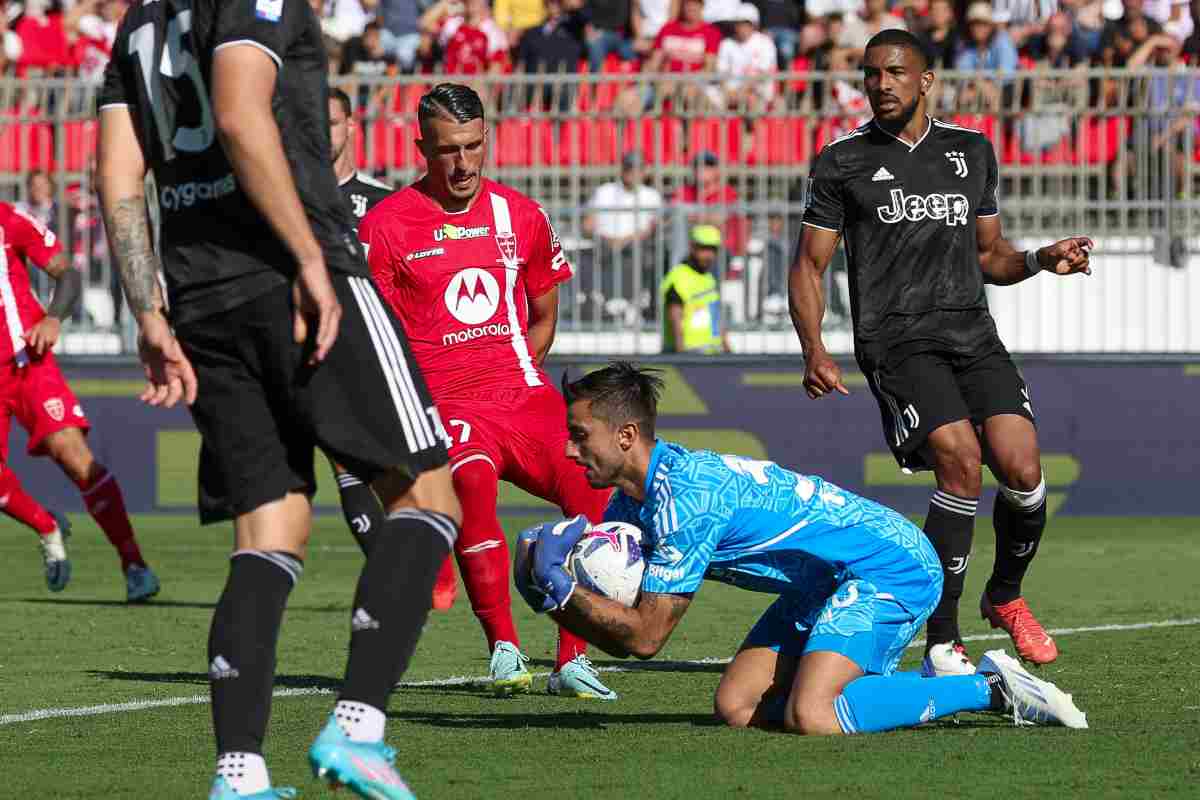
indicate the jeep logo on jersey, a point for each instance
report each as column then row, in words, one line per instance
column 915, row 207
column 473, row 296
column 455, row 232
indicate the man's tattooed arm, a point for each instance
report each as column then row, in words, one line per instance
column 129, row 238
column 640, row 631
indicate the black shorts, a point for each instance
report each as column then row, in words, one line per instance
column 261, row 410
column 922, row 391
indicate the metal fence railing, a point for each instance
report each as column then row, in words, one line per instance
column 1110, row 154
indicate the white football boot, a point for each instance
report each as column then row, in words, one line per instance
column 54, row 554
column 1031, row 700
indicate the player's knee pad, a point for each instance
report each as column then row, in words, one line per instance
column 1025, row 501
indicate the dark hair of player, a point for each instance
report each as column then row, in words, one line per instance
column 895, row 37
column 620, row 393
column 343, row 99
column 451, row 101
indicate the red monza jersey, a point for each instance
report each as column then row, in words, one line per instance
column 24, row 238
column 461, row 284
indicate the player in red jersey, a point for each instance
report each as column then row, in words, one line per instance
column 33, row 390
column 471, row 268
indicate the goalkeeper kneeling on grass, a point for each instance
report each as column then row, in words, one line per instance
column 855, row 580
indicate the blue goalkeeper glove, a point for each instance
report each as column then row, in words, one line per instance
column 527, row 542
column 555, row 544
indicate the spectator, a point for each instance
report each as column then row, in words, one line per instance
column 1121, row 37
column 941, row 36
column 401, row 31
column 93, row 36
column 721, row 11
column 553, row 48
column 708, row 199
column 742, row 61
column 1024, row 18
column 861, row 26
column 987, row 49
column 39, row 199
column 1052, row 49
column 1087, row 24
column 89, row 244
column 621, row 219
column 624, row 212
column 650, row 18
column 1172, row 15
column 365, row 58
column 691, row 299
column 610, row 31
column 470, row 41
column 780, row 19
column 43, row 34
column 1173, row 100
column 687, row 45
column 517, row 16
column 349, row 18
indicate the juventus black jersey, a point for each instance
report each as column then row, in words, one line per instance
column 907, row 215
column 217, row 249
column 362, row 192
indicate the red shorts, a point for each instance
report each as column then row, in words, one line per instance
column 523, row 435
column 39, row 397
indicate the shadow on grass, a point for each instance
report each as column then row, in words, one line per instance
column 581, row 720
column 633, row 665
column 201, row 679
column 80, row 601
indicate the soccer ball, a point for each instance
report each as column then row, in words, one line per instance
column 608, row 561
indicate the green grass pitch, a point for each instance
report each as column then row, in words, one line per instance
column 85, row 648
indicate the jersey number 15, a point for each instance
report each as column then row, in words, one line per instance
column 176, row 64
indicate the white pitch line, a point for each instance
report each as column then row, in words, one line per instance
column 464, row 680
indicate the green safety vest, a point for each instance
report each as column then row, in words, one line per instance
column 701, row 310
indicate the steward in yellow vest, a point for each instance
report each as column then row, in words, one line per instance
column 691, row 300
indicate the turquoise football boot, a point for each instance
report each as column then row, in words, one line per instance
column 365, row 768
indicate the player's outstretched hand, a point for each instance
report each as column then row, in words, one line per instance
column 523, row 571
column 822, row 375
column 42, row 337
column 1070, row 256
column 316, row 304
column 169, row 374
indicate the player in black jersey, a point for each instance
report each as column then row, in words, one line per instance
column 279, row 342
column 914, row 200
column 361, row 191
column 360, row 506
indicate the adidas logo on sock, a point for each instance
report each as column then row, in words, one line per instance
column 882, row 174
column 362, row 621
column 221, row 669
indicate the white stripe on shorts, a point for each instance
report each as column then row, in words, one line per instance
column 391, row 378
column 423, row 419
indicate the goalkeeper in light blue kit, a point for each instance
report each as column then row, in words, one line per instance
column 856, row 581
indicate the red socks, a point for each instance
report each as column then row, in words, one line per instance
column 483, row 553
column 20, row 506
column 104, row 502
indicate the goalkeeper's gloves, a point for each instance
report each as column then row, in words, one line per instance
column 527, row 542
column 555, row 543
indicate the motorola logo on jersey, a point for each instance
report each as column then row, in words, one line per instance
column 953, row 208
column 455, row 232
column 472, row 296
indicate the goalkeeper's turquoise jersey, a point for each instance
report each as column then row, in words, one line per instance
column 756, row 525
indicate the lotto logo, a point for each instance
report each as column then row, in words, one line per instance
column 916, row 207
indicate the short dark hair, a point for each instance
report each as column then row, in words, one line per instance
column 897, row 37
column 451, row 101
column 620, row 393
column 343, row 99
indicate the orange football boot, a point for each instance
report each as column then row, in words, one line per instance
column 445, row 590
column 1028, row 636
